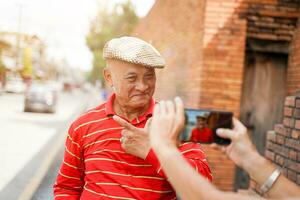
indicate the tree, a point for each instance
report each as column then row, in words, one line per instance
column 120, row 21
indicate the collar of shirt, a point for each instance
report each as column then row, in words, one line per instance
column 110, row 111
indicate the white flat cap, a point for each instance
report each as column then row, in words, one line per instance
column 133, row 50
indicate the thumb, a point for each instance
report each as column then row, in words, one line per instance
column 148, row 124
column 225, row 133
column 123, row 123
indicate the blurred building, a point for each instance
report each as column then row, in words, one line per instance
column 20, row 43
column 236, row 55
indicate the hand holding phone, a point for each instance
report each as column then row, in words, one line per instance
column 201, row 125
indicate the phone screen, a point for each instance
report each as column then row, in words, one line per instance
column 201, row 126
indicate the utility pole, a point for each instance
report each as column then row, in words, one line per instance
column 18, row 34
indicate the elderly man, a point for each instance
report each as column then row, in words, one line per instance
column 108, row 154
column 201, row 133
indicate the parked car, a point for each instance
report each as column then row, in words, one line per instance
column 40, row 98
column 14, row 86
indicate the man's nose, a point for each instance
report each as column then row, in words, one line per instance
column 141, row 86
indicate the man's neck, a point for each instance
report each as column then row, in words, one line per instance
column 127, row 112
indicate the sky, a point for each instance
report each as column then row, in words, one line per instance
column 61, row 24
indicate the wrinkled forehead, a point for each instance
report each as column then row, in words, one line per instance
column 122, row 67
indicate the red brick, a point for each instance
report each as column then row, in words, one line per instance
column 263, row 36
column 270, row 155
column 298, row 103
column 297, row 124
column 290, row 101
column 293, row 78
column 292, row 143
column 293, row 155
column 271, row 136
column 278, row 149
column 279, row 160
column 280, row 129
column 295, row 166
column 296, row 113
column 269, row 145
column 295, row 134
column 289, row 122
column 288, row 111
column 279, row 139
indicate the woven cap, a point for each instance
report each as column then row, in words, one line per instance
column 133, row 50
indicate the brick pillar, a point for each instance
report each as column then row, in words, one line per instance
column 293, row 73
column 222, row 74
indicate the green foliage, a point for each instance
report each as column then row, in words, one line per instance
column 105, row 26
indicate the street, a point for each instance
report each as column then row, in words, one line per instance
column 30, row 142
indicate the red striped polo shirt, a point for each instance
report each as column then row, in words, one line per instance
column 96, row 167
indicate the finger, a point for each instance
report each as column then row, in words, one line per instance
column 127, row 134
column 123, row 123
column 179, row 110
column 156, row 111
column 223, row 149
column 170, row 108
column 214, row 146
column 121, row 139
column 226, row 133
column 162, row 106
column 179, row 106
column 125, row 141
column 238, row 125
column 123, row 132
column 148, row 124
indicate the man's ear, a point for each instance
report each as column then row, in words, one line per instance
column 107, row 76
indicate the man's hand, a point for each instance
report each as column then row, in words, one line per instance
column 241, row 148
column 167, row 123
column 134, row 141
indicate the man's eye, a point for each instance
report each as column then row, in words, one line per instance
column 131, row 78
column 149, row 76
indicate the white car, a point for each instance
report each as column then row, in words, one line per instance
column 15, row 86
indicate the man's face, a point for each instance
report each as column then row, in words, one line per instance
column 201, row 123
column 133, row 84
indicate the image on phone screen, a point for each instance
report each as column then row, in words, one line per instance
column 201, row 126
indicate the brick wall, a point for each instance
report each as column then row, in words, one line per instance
column 223, row 56
column 283, row 144
column 272, row 19
column 222, row 73
column 293, row 73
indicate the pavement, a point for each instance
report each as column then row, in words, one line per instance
column 29, row 142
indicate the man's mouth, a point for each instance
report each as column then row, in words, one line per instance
column 138, row 95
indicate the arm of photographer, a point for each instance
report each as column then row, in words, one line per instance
column 167, row 123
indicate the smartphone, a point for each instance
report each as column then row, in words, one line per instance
column 201, row 126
